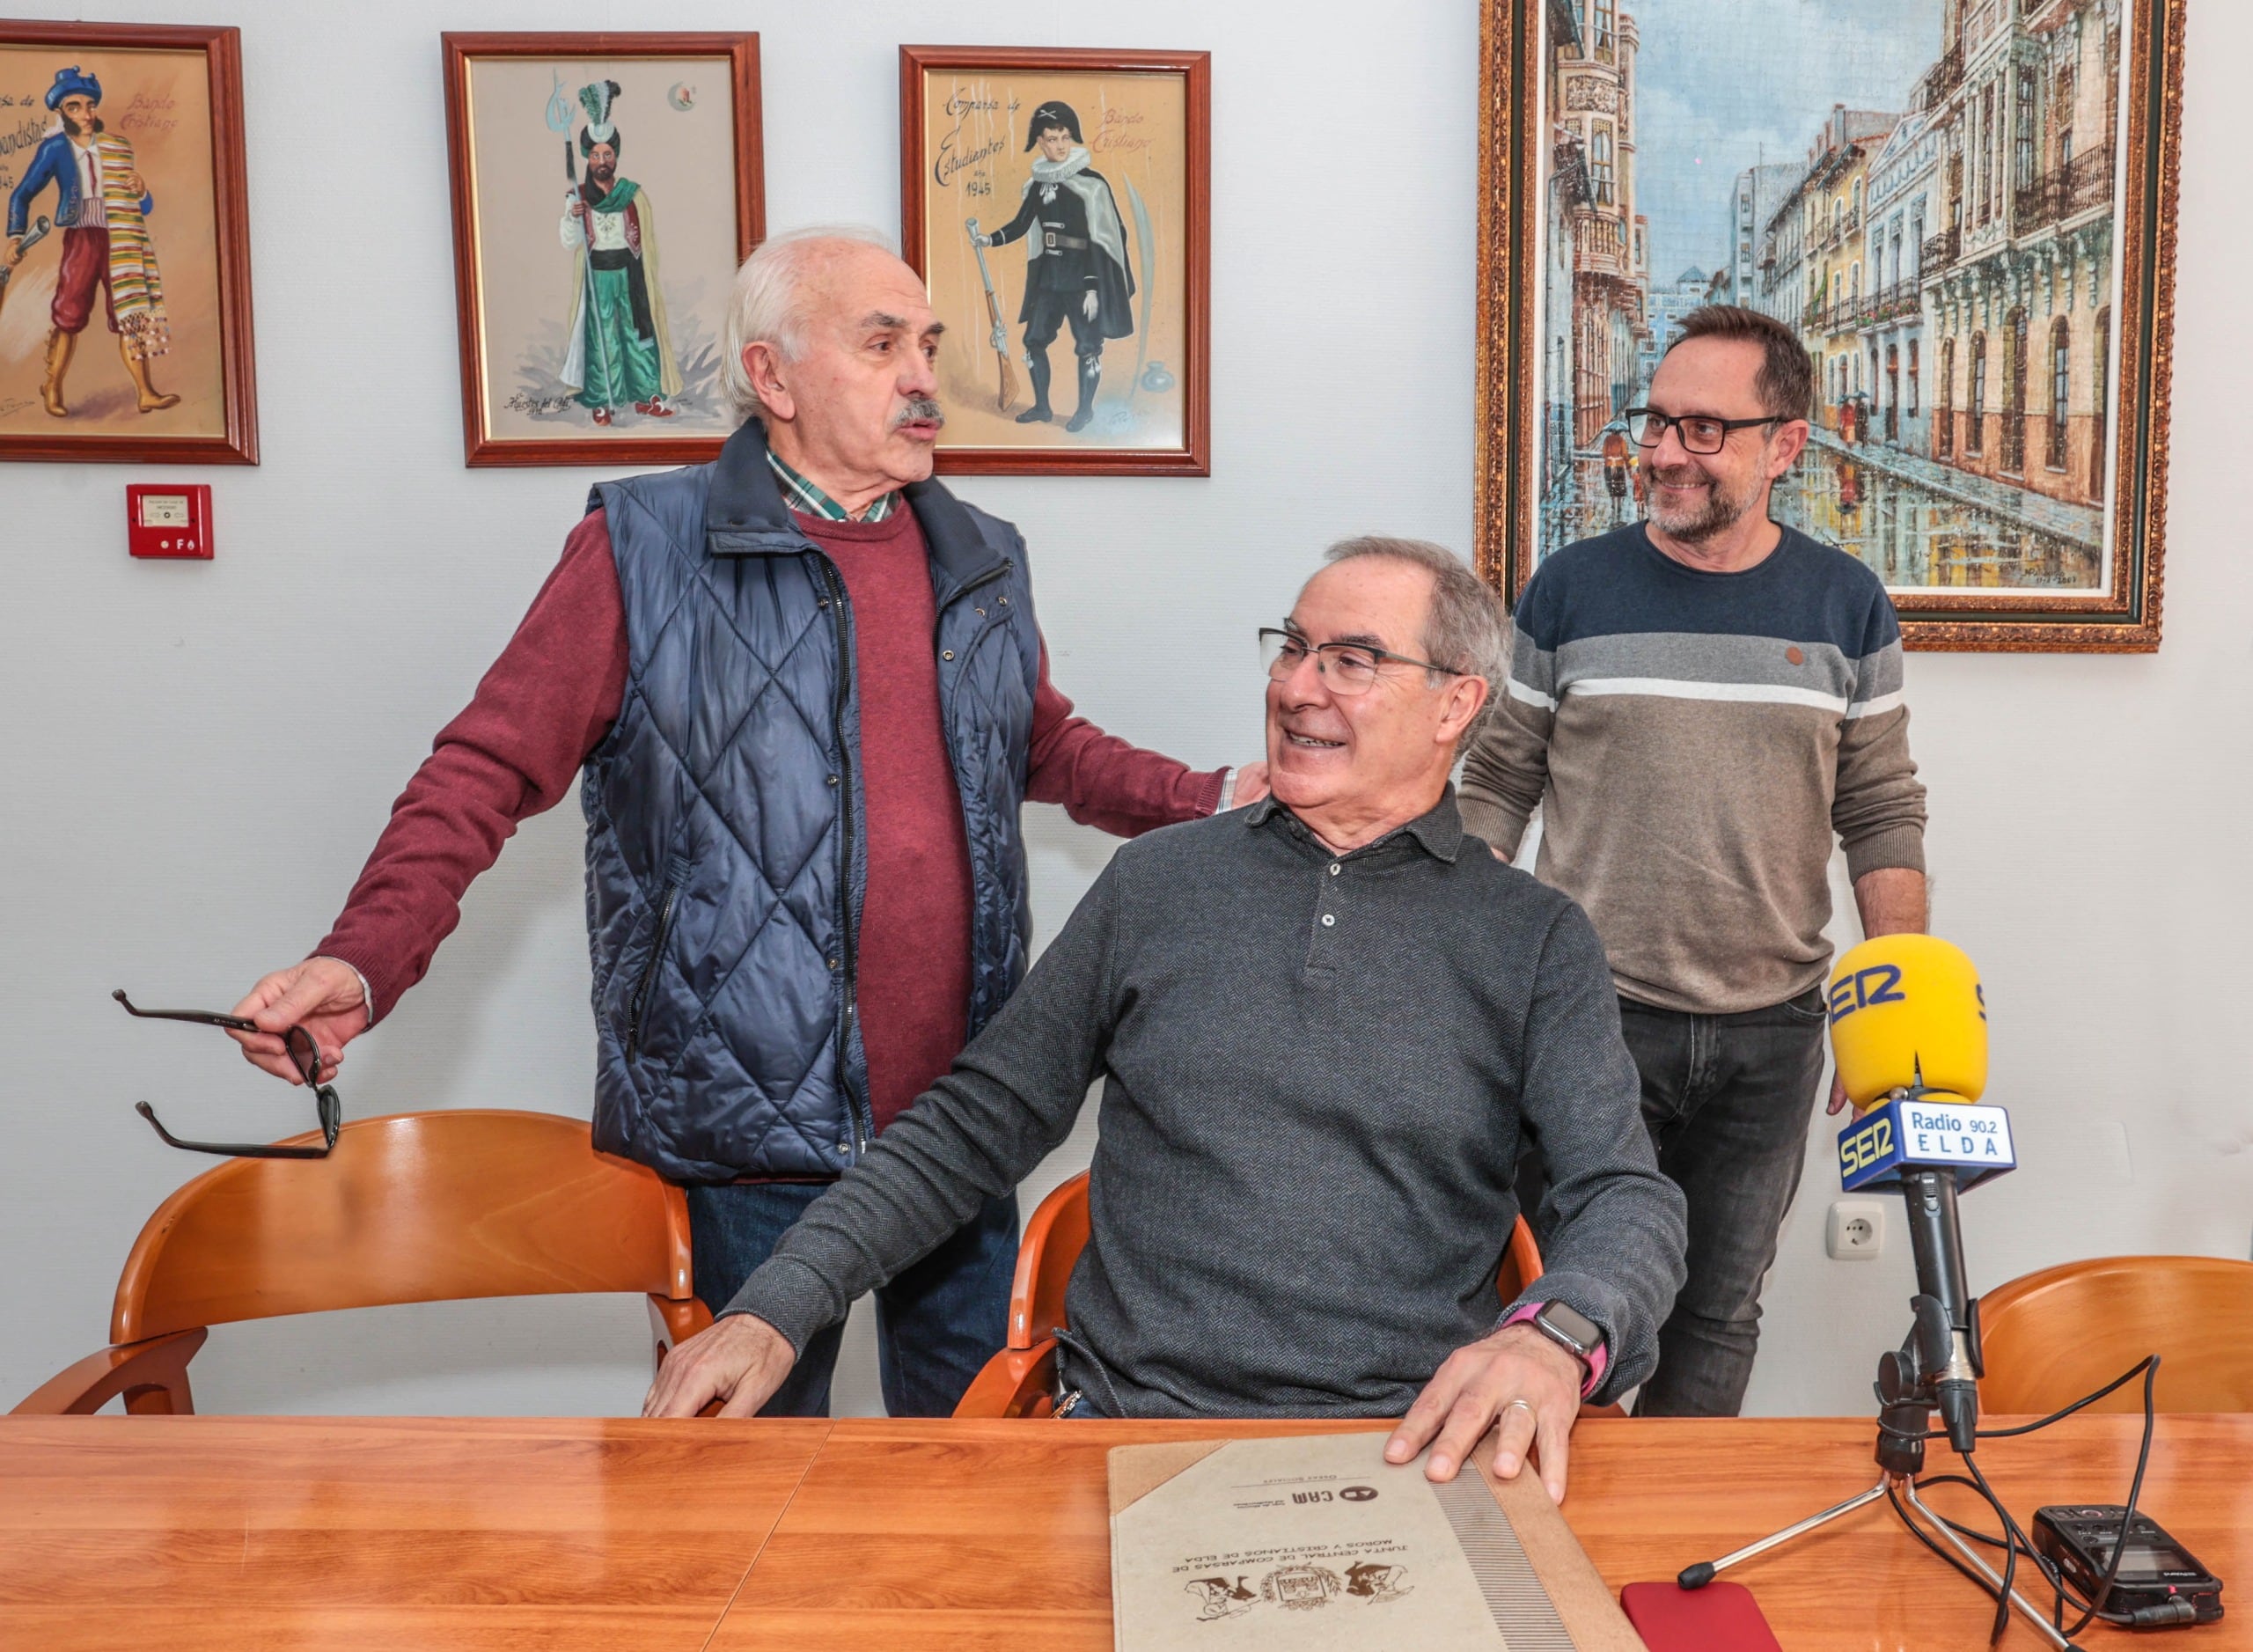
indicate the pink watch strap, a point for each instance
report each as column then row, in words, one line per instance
column 1596, row 1361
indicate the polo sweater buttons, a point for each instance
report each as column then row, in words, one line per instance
column 1333, row 868
column 1329, row 918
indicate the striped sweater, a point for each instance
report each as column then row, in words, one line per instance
column 1693, row 740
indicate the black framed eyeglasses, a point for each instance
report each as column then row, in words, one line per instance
column 303, row 1051
column 1349, row 668
column 1700, row 433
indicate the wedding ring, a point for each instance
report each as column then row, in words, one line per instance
column 1520, row 1405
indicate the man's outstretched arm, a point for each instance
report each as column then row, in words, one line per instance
column 546, row 702
column 1106, row 782
column 976, row 1135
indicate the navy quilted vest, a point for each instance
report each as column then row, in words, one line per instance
column 726, row 852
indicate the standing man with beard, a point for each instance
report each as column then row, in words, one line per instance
column 620, row 354
column 1075, row 260
column 1697, row 703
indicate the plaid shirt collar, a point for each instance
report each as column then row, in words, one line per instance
column 802, row 496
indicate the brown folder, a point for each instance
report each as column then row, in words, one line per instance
column 1315, row 1541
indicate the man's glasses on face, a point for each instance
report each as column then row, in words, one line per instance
column 1348, row 668
column 1700, row 433
column 303, row 1051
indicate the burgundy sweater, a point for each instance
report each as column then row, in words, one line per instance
column 551, row 697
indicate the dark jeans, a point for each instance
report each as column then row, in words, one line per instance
column 1728, row 1100
column 937, row 1323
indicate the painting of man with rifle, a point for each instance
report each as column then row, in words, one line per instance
column 1053, row 193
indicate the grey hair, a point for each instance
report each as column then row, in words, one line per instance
column 766, row 306
column 1466, row 631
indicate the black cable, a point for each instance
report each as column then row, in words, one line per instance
column 1921, row 1536
column 2016, row 1540
column 2025, row 1428
column 2128, row 1513
column 2042, row 1562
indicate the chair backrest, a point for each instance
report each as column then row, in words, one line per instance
column 2050, row 1337
column 1058, row 1231
column 418, row 1207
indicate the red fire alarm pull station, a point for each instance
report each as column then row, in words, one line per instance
column 168, row 520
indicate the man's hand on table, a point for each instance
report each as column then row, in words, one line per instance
column 740, row 1359
column 1517, row 1376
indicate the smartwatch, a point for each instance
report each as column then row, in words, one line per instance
column 1572, row 1331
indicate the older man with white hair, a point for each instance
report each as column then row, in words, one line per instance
column 807, row 698
column 1324, row 1026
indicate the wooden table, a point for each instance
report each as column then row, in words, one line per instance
column 898, row 1537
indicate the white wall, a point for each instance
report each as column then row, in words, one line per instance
column 200, row 755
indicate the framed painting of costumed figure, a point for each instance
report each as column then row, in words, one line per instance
column 125, row 315
column 592, row 284
column 1055, row 202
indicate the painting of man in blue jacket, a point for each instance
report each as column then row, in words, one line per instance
column 102, row 207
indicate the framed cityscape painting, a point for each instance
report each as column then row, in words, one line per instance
column 605, row 187
column 125, row 313
column 1055, row 203
column 1965, row 208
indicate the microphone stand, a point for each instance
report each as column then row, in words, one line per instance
column 1932, row 1371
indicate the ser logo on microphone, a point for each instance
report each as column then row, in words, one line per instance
column 1866, row 1145
column 1879, row 984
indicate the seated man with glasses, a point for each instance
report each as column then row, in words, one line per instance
column 1323, row 1024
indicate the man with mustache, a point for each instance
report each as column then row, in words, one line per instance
column 1698, row 704
column 806, row 692
column 622, row 351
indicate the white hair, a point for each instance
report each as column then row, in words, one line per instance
column 766, row 306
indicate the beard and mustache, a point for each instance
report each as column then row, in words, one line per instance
column 73, row 129
column 1696, row 523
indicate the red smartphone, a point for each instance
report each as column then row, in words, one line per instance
column 1719, row 1618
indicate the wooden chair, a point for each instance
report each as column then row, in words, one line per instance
column 1019, row 1380
column 2050, row 1337
column 418, row 1207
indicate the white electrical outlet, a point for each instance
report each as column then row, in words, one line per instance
column 1856, row 1230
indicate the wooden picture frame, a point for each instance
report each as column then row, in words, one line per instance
column 170, row 278
column 2033, row 157
column 649, row 389
column 1144, row 120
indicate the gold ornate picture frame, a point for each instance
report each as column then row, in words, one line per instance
column 1965, row 208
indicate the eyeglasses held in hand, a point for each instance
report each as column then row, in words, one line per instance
column 1700, row 434
column 1348, row 668
column 303, row 1051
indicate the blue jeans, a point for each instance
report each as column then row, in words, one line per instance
column 937, row 1323
column 1728, row 1100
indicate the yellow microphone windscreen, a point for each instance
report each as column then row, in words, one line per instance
column 1907, row 1010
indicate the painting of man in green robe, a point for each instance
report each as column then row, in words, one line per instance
column 621, row 355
